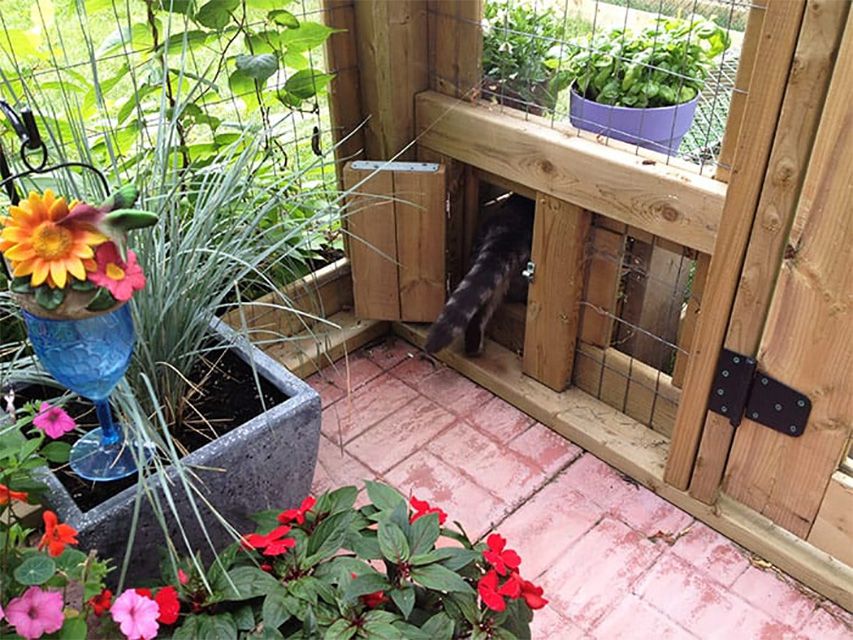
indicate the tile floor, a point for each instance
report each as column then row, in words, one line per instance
column 616, row 561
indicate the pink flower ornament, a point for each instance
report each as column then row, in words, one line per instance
column 120, row 278
column 35, row 613
column 53, row 421
column 136, row 615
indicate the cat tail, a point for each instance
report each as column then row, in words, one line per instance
column 488, row 278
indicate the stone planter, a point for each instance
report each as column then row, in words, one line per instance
column 268, row 462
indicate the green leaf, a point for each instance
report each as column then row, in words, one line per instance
column 284, row 18
column 393, row 543
column 244, row 618
column 380, row 630
column 341, row 499
column 49, row 298
column 82, row 285
column 216, row 14
column 217, row 627
column 71, row 561
column 343, row 629
column 383, row 496
column 307, row 83
column 434, row 576
column 35, row 570
column 404, row 598
column 103, row 300
column 258, row 67
column 129, row 219
column 189, row 630
column 439, row 627
column 248, row 582
column 456, row 558
column 328, row 537
column 74, row 629
column 367, row 583
column 56, row 452
column 308, row 36
column 275, row 609
column 423, row 534
column 21, row 284
column 177, row 6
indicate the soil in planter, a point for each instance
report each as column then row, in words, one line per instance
column 229, row 398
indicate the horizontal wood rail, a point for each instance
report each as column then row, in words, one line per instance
column 664, row 200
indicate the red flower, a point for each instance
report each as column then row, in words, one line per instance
column 297, row 514
column 512, row 588
column 422, row 508
column 183, row 578
column 7, row 495
column 145, row 591
column 266, row 566
column 56, row 535
column 273, row 543
column 532, row 595
column 101, row 603
column 499, row 558
column 170, row 607
column 372, row 600
column 487, row 587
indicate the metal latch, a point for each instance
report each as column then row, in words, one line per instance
column 740, row 389
column 529, row 271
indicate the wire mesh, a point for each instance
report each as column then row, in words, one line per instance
column 529, row 46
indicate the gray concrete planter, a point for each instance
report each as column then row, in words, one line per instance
column 268, row 462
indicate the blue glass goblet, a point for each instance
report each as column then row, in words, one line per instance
column 90, row 356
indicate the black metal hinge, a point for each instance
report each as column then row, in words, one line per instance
column 740, row 389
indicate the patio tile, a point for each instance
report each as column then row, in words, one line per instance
column 401, row 434
column 335, row 470
column 824, row 626
column 706, row 549
column 596, row 573
column 774, row 596
column 546, row 448
column 376, row 400
column 704, row 607
column 545, row 527
column 390, row 352
column 454, row 392
column 600, row 482
column 649, row 513
column 430, row 479
column 508, row 475
column 500, row 420
column 633, row 618
column 331, row 381
column 549, row 625
column 413, row 370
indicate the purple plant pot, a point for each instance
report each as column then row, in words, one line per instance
column 656, row 128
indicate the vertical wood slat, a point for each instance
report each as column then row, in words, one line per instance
column 602, row 287
column 420, row 222
column 393, row 59
column 688, row 325
column 775, row 52
column 345, row 112
column 833, row 528
column 798, row 123
column 456, row 47
column 807, row 341
column 559, row 235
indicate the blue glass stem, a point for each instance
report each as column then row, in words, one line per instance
column 109, row 431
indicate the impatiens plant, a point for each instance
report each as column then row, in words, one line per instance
column 57, row 250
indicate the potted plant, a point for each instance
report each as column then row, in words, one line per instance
column 521, row 52
column 643, row 87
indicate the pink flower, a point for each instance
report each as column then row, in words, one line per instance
column 183, row 578
column 53, row 421
column 120, row 278
column 35, row 613
column 136, row 615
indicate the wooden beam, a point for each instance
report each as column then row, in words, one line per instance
column 641, row 453
column 807, row 341
column 603, row 271
column 775, row 52
column 456, row 47
column 833, row 527
column 663, row 200
column 393, row 59
column 559, row 235
column 817, row 48
column 691, row 315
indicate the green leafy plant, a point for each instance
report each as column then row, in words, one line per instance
column 315, row 572
column 662, row 65
column 522, row 46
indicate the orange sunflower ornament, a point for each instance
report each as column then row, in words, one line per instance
column 52, row 249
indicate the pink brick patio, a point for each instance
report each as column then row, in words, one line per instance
column 616, row 561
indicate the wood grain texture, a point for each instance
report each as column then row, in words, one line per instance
column 603, row 267
column 833, row 527
column 775, row 52
column 455, row 47
column 641, row 453
column 373, row 243
column 664, row 200
column 807, row 341
column 691, row 315
column 559, row 235
column 817, row 48
column 420, row 222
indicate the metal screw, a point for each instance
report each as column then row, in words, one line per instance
column 725, row 373
column 755, row 415
column 764, row 381
column 801, row 403
column 793, row 428
column 724, row 409
column 778, row 407
column 720, row 392
column 736, row 360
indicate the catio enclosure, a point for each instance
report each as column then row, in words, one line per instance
column 713, row 274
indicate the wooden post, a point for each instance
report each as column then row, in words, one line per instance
column 804, row 99
column 807, row 342
column 775, row 52
column 688, row 325
column 559, row 234
column 456, row 47
column 393, row 59
column 602, row 286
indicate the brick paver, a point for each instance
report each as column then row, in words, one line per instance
column 615, row 559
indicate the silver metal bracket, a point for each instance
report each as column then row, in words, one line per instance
column 529, row 271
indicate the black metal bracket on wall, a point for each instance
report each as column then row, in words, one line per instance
column 740, row 389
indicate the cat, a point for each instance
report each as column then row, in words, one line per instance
column 501, row 252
